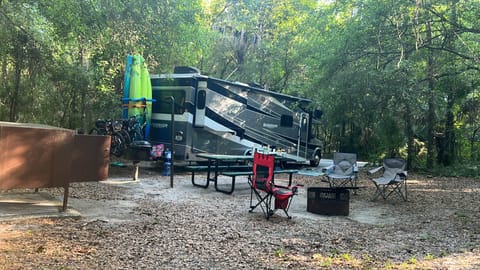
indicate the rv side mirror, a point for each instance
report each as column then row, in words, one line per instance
column 317, row 114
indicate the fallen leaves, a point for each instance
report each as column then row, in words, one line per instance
column 194, row 228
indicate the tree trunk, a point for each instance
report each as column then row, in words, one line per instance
column 18, row 62
column 473, row 156
column 448, row 156
column 431, row 101
column 449, row 142
column 410, row 136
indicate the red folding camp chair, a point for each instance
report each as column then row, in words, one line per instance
column 262, row 185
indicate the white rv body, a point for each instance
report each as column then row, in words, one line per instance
column 216, row 116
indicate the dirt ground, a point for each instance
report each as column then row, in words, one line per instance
column 146, row 224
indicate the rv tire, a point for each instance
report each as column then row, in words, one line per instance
column 316, row 158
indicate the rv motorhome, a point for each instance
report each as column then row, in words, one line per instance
column 222, row 117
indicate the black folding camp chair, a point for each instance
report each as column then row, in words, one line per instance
column 269, row 197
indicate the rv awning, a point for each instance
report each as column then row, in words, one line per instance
column 260, row 90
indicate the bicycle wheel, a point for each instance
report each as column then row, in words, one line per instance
column 126, row 137
column 97, row 131
column 136, row 134
column 118, row 145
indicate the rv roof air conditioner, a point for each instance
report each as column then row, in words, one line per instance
column 186, row 70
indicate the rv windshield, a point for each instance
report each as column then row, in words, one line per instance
column 164, row 104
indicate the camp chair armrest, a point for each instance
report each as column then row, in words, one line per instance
column 289, row 187
column 294, row 188
column 280, row 186
column 403, row 174
column 372, row 171
column 329, row 168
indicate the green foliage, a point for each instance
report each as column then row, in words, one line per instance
column 392, row 78
column 280, row 253
column 74, row 51
column 457, row 170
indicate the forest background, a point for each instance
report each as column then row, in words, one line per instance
column 393, row 77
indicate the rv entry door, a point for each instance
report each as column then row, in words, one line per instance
column 303, row 133
column 200, row 100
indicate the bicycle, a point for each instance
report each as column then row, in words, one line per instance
column 107, row 127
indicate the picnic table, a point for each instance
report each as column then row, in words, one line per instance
column 222, row 165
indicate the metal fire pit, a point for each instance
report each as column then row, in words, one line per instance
column 139, row 151
column 328, row 201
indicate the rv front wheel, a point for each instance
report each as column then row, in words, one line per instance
column 316, row 159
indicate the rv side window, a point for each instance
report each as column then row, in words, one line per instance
column 164, row 104
column 286, row 120
column 201, row 99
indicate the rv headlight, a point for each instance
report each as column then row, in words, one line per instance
column 179, row 136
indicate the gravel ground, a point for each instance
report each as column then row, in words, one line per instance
column 146, row 224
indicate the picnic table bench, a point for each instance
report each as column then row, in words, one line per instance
column 203, row 168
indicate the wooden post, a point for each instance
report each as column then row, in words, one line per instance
column 65, row 196
column 172, row 140
column 135, row 170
